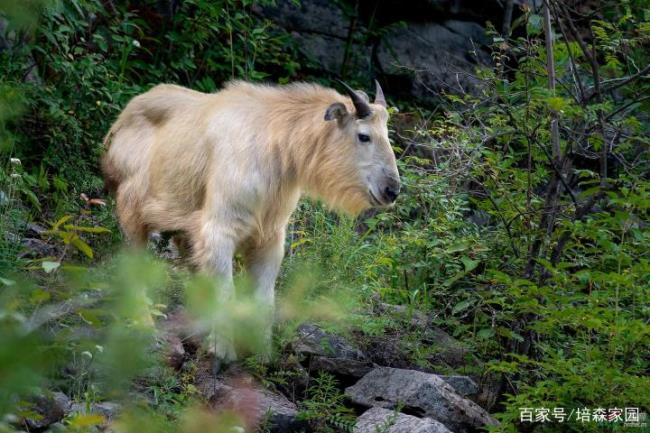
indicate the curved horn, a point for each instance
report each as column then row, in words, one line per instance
column 362, row 108
column 379, row 95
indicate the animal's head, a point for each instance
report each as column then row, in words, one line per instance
column 367, row 171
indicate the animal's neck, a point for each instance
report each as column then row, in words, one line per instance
column 305, row 147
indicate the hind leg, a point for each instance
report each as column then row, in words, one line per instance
column 129, row 216
column 183, row 245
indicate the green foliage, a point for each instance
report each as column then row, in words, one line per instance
column 324, row 408
column 87, row 60
column 555, row 298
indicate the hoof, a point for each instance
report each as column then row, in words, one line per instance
column 221, row 351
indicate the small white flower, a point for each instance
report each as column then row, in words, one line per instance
column 136, row 43
column 15, row 176
column 87, row 354
column 15, row 161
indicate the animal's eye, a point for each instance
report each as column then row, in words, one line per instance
column 364, row 138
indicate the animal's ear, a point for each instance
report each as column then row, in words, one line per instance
column 336, row 111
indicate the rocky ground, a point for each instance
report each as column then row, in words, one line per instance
column 385, row 391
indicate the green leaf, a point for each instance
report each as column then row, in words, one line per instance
column 39, row 295
column 457, row 247
column 60, row 222
column 7, row 282
column 469, row 264
column 82, row 246
column 86, row 229
column 534, row 26
column 485, row 333
column 461, row 306
column 556, row 103
column 50, row 267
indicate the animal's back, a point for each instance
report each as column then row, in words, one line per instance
column 129, row 142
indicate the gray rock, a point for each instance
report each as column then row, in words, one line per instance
column 416, row 318
column 36, row 248
column 463, row 385
column 312, row 340
column 448, row 350
column 173, row 351
column 57, row 427
column 309, row 16
column 178, row 326
column 107, row 409
column 261, row 405
column 419, row 393
column 388, row 421
column 207, row 383
column 328, row 52
column 469, row 30
column 320, row 29
column 340, row 366
column 34, row 229
column 172, row 330
column 47, row 409
column 436, row 56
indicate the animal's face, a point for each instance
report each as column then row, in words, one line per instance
column 365, row 151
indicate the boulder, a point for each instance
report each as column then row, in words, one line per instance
column 308, row 16
column 173, row 331
column 34, row 229
column 257, row 406
column 436, row 56
column 177, row 326
column 415, row 318
column 312, row 340
column 419, row 393
column 329, row 52
column 448, row 350
column 173, row 351
column 329, row 352
column 340, row 366
column 463, row 385
column 378, row 419
column 320, row 30
column 47, row 409
column 36, row 248
column 107, row 409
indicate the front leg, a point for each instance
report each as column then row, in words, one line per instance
column 263, row 264
column 214, row 255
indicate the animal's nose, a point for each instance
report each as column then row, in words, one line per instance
column 391, row 191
